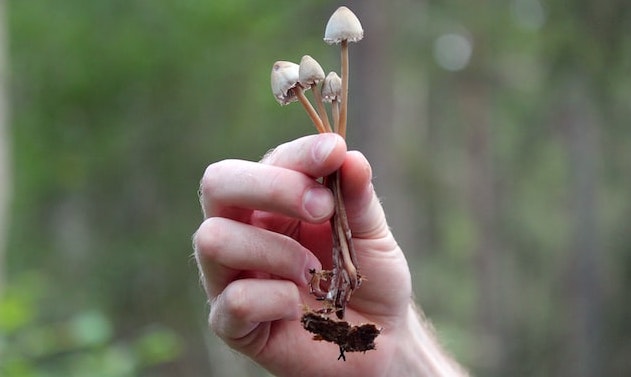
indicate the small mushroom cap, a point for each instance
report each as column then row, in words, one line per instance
column 310, row 72
column 343, row 25
column 284, row 80
column 331, row 87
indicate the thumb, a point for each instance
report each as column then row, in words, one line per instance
column 366, row 217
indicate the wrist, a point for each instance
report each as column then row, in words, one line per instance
column 419, row 353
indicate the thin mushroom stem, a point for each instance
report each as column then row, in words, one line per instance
column 317, row 95
column 344, row 101
column 335, row 110
column 343, row 230
column 346, row 277
column 348, row 250
column 313, row 114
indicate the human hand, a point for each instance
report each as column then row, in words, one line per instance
column 266, row 226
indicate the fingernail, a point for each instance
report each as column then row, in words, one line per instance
column 324, row 146
column 318, row 202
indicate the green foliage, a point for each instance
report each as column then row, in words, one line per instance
column 33, row 343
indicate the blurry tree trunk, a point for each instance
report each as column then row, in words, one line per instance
column 371, row 128
column 474, row 99
column 5, row 142
column 371, row 88
column 584, row 298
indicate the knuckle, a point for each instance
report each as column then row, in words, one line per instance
column 210, row 238
column 235, row 300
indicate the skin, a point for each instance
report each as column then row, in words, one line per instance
column 266, row 224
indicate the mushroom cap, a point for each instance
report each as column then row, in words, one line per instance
column 284, row 80
column 331, row 87
column 310, row 72
column 343, row 25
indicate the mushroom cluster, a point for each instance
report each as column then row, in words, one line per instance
column 289, row 82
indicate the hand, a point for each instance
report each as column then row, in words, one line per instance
column 266, row 225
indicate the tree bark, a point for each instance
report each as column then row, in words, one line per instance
column 481, row 197
column 371, row 118
column 584, row 276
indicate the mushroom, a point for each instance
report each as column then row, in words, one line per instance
column 332, row 92
column 287, row 89
column 343, row 27
column 284, row 80
column 289, row 81
column 310, row 73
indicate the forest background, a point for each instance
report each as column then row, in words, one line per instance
column 499, row 133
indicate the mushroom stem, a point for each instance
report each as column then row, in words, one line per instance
column 344, row 101
column 348, row 251
column 317, row 95
column 346, row 278
column 335, row 110
column 313, row 114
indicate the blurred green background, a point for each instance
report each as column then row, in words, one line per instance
column 499, row 133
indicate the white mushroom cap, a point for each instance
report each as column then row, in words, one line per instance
column 310, row 72
column 343, row 25
column 331, row 87
column 284, row 80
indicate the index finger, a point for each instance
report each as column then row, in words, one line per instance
column 314, row 155
column 233, row 188
column 283, row 182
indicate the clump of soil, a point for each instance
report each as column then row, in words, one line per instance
column 349, row 338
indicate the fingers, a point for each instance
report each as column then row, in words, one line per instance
column 227, row 250
column 283, row 184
